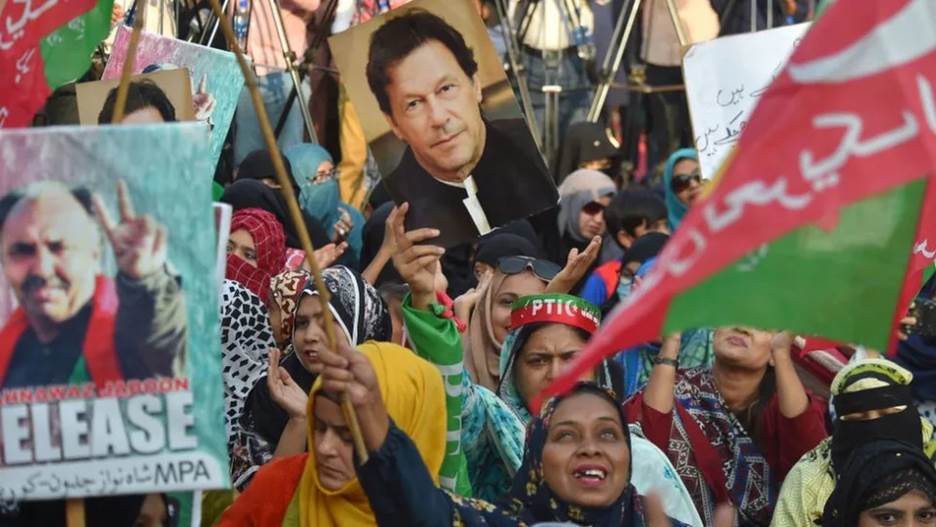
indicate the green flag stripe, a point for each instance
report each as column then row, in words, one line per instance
column 67, row 50
column 841, row 284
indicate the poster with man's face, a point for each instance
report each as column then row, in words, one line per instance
column 109, row 362
column 441, row 119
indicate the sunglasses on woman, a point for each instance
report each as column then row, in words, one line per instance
column 324, row 175
column 683, row 181
column 543, row 269
column 592, row 208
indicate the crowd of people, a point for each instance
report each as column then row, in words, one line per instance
column 441, row 351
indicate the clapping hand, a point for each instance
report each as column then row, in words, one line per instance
column 418, row 265
column 577, row 264
column 283, row 389
column 140, row 243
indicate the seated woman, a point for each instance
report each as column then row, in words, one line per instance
column 320, row 488
column 576, row 464
column 734, row 431
column 317, row 177
column 274, row 418
column 884, row 483
column 256, row 250
column 548, row 330
column 872, row 402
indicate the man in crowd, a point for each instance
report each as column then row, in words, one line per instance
column 460, row 173
column 74, row 324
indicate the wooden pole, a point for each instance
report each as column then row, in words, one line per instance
column 124, row 86
column 294, row 213
column 74, row 512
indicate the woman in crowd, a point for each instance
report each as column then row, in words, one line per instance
column 273, row 418
column 319, row 488
column 320, row 197
column 682, row 184
column 286, row 289
column 583, row 198
column 734, row 431
column 576, row 465
column 547, row 331
column 873, row 402
column 917, row 353
column 256, row 250
column 884, row 483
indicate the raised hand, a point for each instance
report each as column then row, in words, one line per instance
column 348, row 373
column 418, row 265
column 203, row 102
column 283, row 389
column 140, row 243
column 467, row 301
column 781, row 343
column 342, row 227
column 577, row 264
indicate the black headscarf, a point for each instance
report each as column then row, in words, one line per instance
column 258, row 165
column 497, row 245
column 359, row 309
column 251, row 193
column 533, row 501
column 876, row 473
column 644, row 248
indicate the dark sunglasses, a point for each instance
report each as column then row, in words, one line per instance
column 683, row 181
column 543, row 269
column 593, row 207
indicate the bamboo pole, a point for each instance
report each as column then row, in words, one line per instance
column 124, row 86
column 75, row 512
column 294, row 213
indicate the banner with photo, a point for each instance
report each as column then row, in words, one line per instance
column 110, row 375
column 441, row 119
column 216, row 78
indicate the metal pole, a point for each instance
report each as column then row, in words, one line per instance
column 674, row 16
column 770, row 8
column 601, row 91
column 513, row 58
column 290, row 58
column 753, row 16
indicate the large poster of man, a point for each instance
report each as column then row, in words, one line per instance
column 440, row 116
column 109, row 362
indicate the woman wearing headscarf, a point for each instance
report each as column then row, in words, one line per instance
column 583, row 197
column 733, row 432
column 576, row 465
column 319, row 196
column 273, row 413
column 682, row 184
column 320, row 488
column 256, row 250
column 286, row 289
column 884, row 483
column 872, row 402
column 251, row 193
column 917, row 353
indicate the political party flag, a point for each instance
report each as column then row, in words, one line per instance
column 811, row 224
column 43, row 45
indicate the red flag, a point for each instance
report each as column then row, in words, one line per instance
column 851, row 117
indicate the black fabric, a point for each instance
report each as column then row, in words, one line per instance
column 867, row 471
column 894, row 485
column 269, row 419
column 456, row 266
column 259, row 165
column 918, row 354
column 116, row 511
column 644, row 248
column 37, row 364
column 522, row 228
column 873, row 399
column 251, row 193
column 849, row 436
column 493, row 247
column 512, row 182
column 584, row 141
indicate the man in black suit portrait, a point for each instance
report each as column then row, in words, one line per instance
column 460, row 173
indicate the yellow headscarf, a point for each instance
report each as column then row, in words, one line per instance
column 414, row 396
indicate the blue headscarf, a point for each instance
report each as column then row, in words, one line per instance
column 322, row 200
column 676, row 208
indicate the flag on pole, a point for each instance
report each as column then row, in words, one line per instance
column 43, row 45
column 812, row 223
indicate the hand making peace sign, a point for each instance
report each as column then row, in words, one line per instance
column 140, row 243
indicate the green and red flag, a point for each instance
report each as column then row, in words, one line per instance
column 826, row 209
column 43, row 45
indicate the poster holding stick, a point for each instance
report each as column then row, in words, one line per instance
column 109, row 366
column 440, row 116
